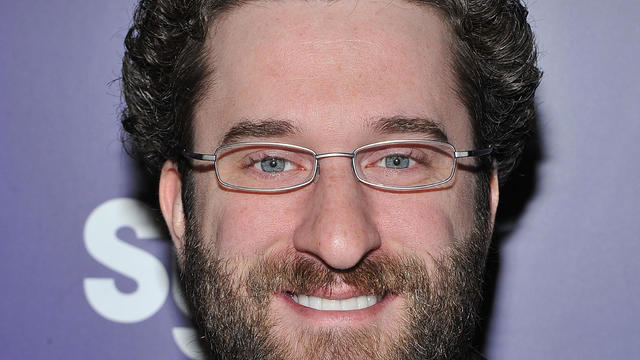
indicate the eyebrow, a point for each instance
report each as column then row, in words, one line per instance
column 389, row 125
column 260, row 129
column 409, row 125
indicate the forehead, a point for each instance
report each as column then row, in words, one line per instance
column 329, row 68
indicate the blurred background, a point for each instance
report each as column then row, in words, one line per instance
column 86, row 272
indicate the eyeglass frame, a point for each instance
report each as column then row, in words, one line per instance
column 456, row 155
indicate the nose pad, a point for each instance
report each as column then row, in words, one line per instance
column 337, row 225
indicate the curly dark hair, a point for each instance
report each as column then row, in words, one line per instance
column 164, row 72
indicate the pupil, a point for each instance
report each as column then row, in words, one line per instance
column 273, row 163
column 396, row 161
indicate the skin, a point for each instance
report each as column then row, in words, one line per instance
column 330, row 70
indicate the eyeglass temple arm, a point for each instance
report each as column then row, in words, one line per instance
column 198, row 156
column 473, row 153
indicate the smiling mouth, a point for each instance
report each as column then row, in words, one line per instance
column 323, row 304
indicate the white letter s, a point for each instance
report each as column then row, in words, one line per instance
column 105, row 247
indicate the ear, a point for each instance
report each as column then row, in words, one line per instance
column 494, row 196
column 170, row 196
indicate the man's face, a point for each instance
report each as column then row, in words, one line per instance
column 330, row 76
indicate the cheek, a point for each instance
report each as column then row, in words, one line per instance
column 248, row 225
column 421, row 224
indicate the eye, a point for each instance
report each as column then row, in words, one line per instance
column 273, row 165
column 396, row 162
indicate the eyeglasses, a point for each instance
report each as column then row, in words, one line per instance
column 400, row 165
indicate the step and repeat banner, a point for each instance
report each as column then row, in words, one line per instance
column 87, row 271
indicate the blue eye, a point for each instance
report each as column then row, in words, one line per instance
column 396, row 162
column 274, row 165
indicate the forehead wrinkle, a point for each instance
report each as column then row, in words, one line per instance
column 340, row 41
column 323, row 55
column 322, row 46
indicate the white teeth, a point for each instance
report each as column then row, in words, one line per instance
column 362, row 302
column 326, row 304
column 348, row 304
column 315, row 302
column 318, row 303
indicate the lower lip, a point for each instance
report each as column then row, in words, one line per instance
column 335, row 317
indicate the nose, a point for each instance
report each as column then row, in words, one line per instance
column 337, row 225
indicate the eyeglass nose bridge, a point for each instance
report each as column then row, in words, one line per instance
column 334, row 154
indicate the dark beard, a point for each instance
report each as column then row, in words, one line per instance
column 231, row 310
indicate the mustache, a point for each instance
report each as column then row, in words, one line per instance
column 299, row 273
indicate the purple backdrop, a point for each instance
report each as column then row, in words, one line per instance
column 87, row 274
